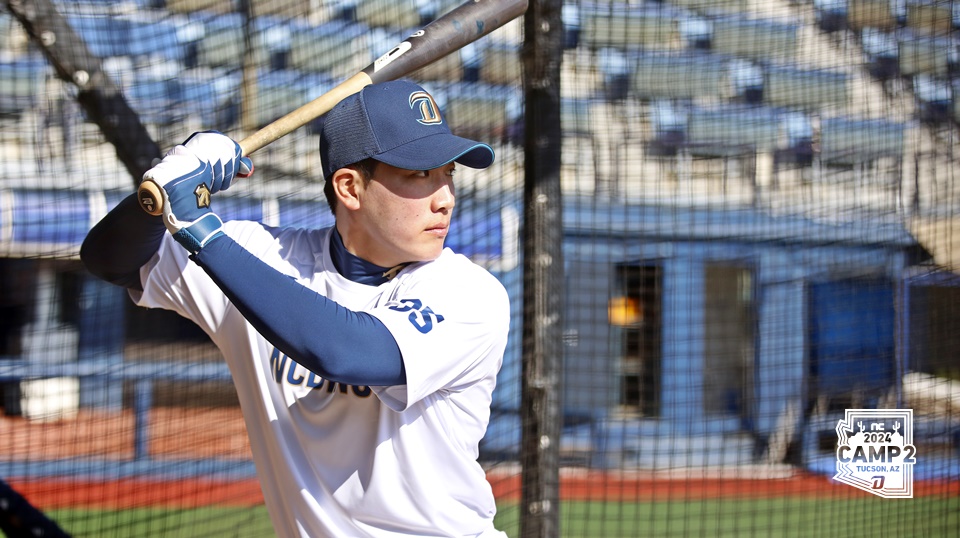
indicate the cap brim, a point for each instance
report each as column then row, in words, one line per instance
column 438, row 150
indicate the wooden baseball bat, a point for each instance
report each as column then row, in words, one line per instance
column 461, row 26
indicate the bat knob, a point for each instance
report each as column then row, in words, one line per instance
column 150, row 198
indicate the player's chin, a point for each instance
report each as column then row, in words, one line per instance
column 429, row 251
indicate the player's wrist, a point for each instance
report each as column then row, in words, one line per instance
column 195, row 235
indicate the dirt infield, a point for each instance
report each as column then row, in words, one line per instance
column 219, row 433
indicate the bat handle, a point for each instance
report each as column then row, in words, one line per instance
column 149, row 195
column 150, row 198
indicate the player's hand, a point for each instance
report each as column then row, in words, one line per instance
column 188, row 176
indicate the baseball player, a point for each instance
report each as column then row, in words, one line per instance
column 365, row 354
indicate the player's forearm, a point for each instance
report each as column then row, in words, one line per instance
column 334, row 342
column 121, row 243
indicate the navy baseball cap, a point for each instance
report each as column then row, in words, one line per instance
column 397, row 123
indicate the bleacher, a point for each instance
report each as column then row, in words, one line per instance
column 179, row 63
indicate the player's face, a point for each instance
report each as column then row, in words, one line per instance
column 404, row 215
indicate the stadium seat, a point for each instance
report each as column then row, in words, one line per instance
column 882, row 52
column 615, row 68
column 104, row 36
column 156, row 101
column 193, row 6
column 754, row 38
column 21, row 84
column 273, row 37
column 478, row 110
column 847, row 141
column 678, row 76
column 149, row 36
column 669, row 122
column 279, row 92
column 713, row 6
column 222, row 45
column 731, row 130
column 500, row 64
column 655, row 27
column 746, row 79
column 805, row 88
column 389, row 13
column 337, row 48
column 831, row 15
column 213, row 101
column 934, row 99
column 924, row 55
column 798, row 150
column 930, row 17
column 871, row 14
column 696, row 32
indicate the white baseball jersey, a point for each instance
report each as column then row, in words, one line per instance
column 336, row 460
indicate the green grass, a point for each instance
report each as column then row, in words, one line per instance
column 928, row 517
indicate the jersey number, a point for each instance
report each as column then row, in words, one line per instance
column 420, row 316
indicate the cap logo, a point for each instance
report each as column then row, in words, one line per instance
column 429, row 111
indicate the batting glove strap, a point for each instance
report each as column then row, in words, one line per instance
column 195, row 235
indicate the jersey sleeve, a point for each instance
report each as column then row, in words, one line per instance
column 172, row 282
column 451, row 326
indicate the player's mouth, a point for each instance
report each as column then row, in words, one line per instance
column 439, row 230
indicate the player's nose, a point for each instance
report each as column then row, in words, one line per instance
column 444, row 197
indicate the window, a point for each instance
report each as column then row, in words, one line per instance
column 729, row 336
column 635, row 310
column 934, row 330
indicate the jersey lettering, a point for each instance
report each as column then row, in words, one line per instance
column 285, row 370
column 422, row 317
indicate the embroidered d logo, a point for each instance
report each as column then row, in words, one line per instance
column 429, row 111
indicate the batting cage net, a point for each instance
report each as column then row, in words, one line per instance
column 753, row 333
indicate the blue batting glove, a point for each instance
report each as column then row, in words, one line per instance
column 188, row 176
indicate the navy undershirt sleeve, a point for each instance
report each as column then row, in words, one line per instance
column 339, row 344
column 121, row 243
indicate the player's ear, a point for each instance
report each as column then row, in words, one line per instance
column 347, row 187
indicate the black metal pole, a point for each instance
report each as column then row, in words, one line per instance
column 96, row 93
column 542, row 272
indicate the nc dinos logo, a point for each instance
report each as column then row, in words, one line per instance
column 429, row 111
column 875, row 451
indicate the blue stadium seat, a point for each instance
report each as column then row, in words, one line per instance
column 214, row 100
column 21, row 84
column 746, row 80
column 669, row 123
column 798, row 150
column 104, row 36
column 882, row 53
column 934, row 99
column 831, row 15
column 155, row 37
column 156, row 101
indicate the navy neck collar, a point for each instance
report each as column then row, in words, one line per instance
column 357, row 269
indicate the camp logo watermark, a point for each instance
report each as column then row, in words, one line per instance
column 875, row 451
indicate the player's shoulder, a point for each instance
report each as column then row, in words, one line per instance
column 259, row 238
column 456, row 275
